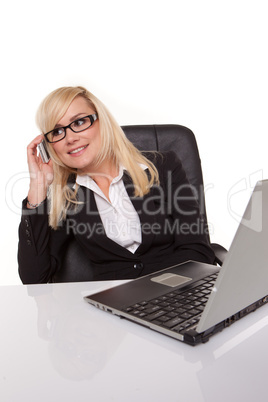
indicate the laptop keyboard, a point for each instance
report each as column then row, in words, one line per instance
column 177, row 311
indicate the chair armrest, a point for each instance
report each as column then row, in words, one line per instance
column 220, row 253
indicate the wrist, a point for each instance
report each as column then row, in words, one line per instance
column 33, row 206
column 36, row 197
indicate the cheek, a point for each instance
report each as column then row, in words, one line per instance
column 97, row 140
column 57, row 149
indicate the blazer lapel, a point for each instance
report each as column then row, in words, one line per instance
column 145, row 208
column 91, row 213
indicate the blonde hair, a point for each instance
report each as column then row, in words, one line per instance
column 114, row 145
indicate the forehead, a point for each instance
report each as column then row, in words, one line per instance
column 79, row 106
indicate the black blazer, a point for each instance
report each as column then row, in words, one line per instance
column 172, row 231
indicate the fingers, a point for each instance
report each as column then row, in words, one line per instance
column 36, row 141
column 41, row 174
column 32, row 149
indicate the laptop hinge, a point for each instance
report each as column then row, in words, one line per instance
column 192, row 337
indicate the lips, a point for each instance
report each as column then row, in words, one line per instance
column 77, row 151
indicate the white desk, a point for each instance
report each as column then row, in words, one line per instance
column 56, row 347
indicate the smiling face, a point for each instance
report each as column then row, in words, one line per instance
column 79, row 150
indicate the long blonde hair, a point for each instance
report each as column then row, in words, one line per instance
column 114, row 145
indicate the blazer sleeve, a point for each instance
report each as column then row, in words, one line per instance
column 186, row 220
column 36, row 259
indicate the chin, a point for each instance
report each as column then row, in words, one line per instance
column 82, row 167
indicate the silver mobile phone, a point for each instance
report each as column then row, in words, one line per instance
column 42, row 148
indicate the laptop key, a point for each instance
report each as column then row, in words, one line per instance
column 173, row 314
column 186, row 316
column 143, row 303
column 181, row 328
column 169, row 308
column 155, row 301
column 194, row 312
column 207, row 292
column 155, row 315
column 163, row 318
column 164, row 304
column 141, row 315
column 152, row 309
column 177, row 305
column 201, row 307
column 173, row 322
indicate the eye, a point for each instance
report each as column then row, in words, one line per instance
column 80, row 122
column 58, row 131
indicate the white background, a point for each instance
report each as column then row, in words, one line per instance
column 202, row 64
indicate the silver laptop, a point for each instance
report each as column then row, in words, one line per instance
column 192, row 301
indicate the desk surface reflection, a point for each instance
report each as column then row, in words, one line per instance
column 55, row 346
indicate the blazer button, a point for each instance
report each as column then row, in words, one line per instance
column 26, row 222
column 138, row 265
column 28, row 234
column 29, row 243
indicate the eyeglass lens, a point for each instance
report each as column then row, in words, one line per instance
column 78, row 125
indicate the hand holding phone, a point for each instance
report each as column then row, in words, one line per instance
column 42, row 148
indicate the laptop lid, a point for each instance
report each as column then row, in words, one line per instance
column 243, row 278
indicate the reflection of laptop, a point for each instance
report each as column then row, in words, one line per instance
column 185, row 302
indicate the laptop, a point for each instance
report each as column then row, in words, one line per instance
column 193, row 301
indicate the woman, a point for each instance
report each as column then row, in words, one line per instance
column 133, row 213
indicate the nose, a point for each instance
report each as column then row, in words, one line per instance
column 71, row 136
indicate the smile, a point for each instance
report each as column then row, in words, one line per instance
column 77, row 150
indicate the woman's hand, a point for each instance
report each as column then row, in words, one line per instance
column 41, row 174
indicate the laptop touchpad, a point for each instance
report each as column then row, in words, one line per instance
column 171, row 279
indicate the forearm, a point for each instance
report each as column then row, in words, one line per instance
column 35, row 262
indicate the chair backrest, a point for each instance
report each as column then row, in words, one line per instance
column 180, row 139
column 169, row 137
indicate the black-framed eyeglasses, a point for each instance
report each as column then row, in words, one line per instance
column 78, row 125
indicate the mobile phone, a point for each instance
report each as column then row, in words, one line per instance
column 42, row 148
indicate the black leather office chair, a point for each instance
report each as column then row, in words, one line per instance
column 76, row 266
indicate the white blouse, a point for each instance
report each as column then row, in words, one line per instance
column 119, row 217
